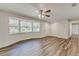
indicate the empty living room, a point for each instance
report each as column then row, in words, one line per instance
column 39, row 29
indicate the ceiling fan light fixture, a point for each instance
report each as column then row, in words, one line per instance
column 41, row 16
column 44, row 13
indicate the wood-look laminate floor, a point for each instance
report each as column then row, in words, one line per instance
column 47, row 46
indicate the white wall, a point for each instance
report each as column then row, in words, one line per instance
column 60, row 29
column 7, row 39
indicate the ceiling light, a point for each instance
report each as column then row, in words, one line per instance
column 44, row 13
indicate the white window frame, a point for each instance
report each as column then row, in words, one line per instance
column 34, row 27
column 19, row 19
column 23, row 26
column 13, row 26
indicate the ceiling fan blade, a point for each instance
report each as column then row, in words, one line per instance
column 41, row 10
column 47, row 11
column 47, row 15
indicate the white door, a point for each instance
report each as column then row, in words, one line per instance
column 75, row 29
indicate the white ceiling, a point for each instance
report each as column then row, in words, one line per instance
column 60, row 11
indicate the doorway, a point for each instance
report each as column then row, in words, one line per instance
column 75, row 28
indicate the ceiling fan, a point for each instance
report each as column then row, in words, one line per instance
column 74, row 4
column 45, row 13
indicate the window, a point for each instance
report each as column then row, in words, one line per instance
column 36, row 26
column 17, row 25
column 13, row 25
column 26, row 26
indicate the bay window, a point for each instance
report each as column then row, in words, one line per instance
column 17, row 25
